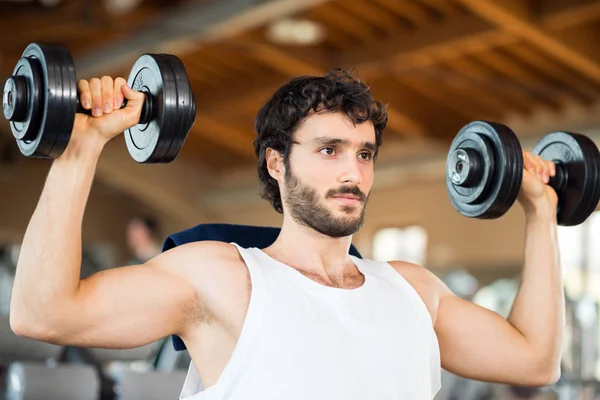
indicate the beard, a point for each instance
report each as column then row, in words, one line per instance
column 305, row 208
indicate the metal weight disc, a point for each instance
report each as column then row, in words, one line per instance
column 149, row 142
column 484, row 170
column 579, row 156
column 186, row 108
column 51, row 93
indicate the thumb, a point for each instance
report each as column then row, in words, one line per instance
column 135, row 102
column 133, row 97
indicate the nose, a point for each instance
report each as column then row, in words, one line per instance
column 351, row 173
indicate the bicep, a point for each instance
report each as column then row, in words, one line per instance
column 126, row 307
column 480, row 344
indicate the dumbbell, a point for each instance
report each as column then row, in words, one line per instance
column 484, row 171
column 40, row 101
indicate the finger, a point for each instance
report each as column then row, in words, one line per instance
column 96, row 89
column 533, row 165
column 529, row 163
column 544, row 168
column 118, row 94
column 85, row 94
column 107, row 94
column 552, row 167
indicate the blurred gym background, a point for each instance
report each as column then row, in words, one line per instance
column 438, row 64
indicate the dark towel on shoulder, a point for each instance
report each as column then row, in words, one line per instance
column 244, row 235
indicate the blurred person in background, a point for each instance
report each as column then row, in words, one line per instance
column 143, row 241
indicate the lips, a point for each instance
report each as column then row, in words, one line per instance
column 349, row 200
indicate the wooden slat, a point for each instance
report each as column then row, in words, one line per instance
column 457, row 83
column 373, row 14
column 336, row 19
column 461, row 34
column 562, row 14
column 281, row 61
column 584, row 90
column 466, row 107
column 519, row 23
column 449, row 34
column 219, row 132
column 532, row 86
column 486, row 82
column 410, row 10
column 438, row 121
column 446, row 7
column 289, row 65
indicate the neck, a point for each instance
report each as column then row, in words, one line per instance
column 311, row 252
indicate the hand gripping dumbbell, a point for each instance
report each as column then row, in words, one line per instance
column 40, row 100
column 484, row 171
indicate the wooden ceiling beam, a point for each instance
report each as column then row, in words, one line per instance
column 287, row 64
column 219, row 132
column 376, row 57
column 412, row 11
column 563, row 14
column 459, row 35
column 438, row 122
column 373, row 14
column 571, row 82
column 529, row 84
column 519, row 21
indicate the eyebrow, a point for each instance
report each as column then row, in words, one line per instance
column 323, row 140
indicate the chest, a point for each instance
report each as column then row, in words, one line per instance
column 381, row 330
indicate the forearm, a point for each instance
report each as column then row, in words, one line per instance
column 49, row 266
column 539, row 311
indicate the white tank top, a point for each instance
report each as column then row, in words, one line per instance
column 302, row 340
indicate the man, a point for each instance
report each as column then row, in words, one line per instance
column 301, row 319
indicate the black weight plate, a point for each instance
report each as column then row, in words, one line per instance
column 27, row 127
column 149, row 142
column 581, row 159
column 68, row 102
column 502, row 170
column 55, row 109
column 186, row 108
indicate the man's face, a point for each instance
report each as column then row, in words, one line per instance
column 330, row 174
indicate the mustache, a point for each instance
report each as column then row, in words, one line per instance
column 354, row 190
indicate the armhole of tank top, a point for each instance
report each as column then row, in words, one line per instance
column 424, row 317
column 249, row 332
column 435, row 366
column 435, row 373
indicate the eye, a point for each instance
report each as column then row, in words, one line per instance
column 328, row 151
column 366, row 156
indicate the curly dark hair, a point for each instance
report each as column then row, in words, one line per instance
column 282, row 114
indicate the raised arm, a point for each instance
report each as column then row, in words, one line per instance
column 124, row 307
column 525, row 348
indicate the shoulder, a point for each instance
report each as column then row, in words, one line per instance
column 428, row 286
column 215, row 271
column 205, row 263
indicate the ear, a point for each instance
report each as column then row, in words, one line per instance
column 275, row 164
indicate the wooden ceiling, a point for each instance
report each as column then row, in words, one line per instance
column 437, row 63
